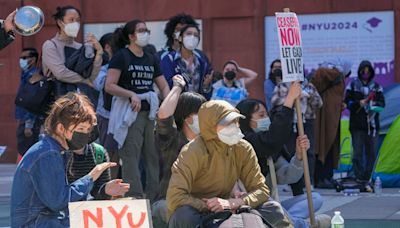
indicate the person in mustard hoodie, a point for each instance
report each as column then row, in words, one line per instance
column 208, row 167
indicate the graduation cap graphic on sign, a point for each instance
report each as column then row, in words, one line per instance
column 372, row 23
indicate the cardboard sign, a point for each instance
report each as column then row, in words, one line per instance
column 290, row 46
column 110, row 214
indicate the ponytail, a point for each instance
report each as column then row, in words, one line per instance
column 121, row 34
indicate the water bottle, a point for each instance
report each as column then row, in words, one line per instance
column 378, row 186
column 89, row 50
column 337, row 221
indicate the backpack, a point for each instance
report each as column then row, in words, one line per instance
column 245, row 217
column 36, row 95
column 99, row 153
column 350, row 183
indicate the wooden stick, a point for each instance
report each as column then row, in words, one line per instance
column 307, row 181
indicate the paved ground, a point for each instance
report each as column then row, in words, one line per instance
column 362, row 211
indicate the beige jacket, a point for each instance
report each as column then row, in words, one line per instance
column 207, row 167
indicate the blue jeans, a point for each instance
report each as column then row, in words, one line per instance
column 297, row 208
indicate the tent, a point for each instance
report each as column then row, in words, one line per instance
column 387, row 119
column 388, row 166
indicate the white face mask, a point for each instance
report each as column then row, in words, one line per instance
column 230, row 135
column 190, row 42
column 142, row 39
column 263, row 124
column 23, row 63
column 72, row 29
column 195, row 125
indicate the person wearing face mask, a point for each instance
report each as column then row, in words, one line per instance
column 208, row 167
column 288, row 168
column 231, row 88
column 271, row 81
column 41, row 191
column 85, row 158
column 54, row 54
column 130, row 78
column 194, row 67
column 364, row 98
column 177, row 124
column 28, row 123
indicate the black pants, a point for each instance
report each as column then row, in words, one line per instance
column 363, row 154
column 23, row 142
column 188, row 217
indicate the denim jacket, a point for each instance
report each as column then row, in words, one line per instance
column 40, row 191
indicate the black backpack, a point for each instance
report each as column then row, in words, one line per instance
column 36, row 95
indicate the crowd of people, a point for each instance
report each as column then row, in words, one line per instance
column 169, row 127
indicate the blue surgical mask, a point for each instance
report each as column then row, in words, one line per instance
column 23, row 63
column 263, row 124
column 195, row 125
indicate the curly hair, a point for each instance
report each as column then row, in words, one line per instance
column 169, row 30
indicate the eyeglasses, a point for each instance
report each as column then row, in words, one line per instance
column 142, row 30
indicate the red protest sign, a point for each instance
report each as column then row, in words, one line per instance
column 290, row 46
column 110, row 214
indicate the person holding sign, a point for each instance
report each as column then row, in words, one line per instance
column 40, row 192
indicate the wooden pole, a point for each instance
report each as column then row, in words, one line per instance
column 307, row 181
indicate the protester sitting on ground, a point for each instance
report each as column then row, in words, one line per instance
column 85, row 159
column 103, row 114
column 232, row 88
column 268, row 138
column 258, row 121
column 180, row 110
column 130, row 79
column 194, row 67
column 28, row 123
column 310, row 103
column 40, row 192
column 271, row 81
column 59, row 48
column 208, row 167
column 7, row 30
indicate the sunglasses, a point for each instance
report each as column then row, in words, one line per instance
column 25, row 57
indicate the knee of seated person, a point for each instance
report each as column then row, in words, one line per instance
column 317, row 200
column 184, row 215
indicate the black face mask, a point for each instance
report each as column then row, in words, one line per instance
column 230, row 75
column 80, row 139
